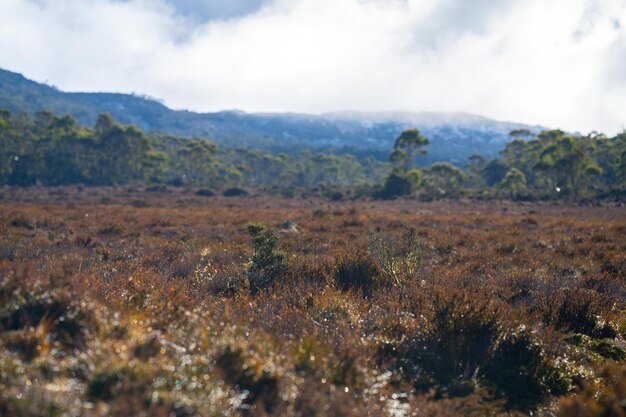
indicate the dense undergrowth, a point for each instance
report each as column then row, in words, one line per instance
column 251, row 309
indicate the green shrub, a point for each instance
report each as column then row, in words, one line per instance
column 268, row 262
column 398, row 184
column 205, row 192
column 235, row 192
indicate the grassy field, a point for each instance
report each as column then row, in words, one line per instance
column 120, row 302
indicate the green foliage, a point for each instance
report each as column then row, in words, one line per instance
column 53, row 150
column 48, row 149
column 399, row 183
column 404, row 179
column 409, row 144
column 268, row 263
column 235, row 192
column 513, row 183
column 195, row 162
column 443, row 180
column 568, row 163
column 555, row 165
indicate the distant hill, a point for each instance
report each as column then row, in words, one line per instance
column 454, row 136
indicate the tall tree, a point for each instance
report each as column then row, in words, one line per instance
column 404, row 178
column 408, row 145
column 514, row 183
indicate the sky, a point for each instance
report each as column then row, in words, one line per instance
column 557, row 63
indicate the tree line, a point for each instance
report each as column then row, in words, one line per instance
column 52, row 150
column 550, row 165
column 47, row 149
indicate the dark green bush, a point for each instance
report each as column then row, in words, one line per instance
column 268, row 262
column 397, row 184
column 205, row 192
column 235, row 192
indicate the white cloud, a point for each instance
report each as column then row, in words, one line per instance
column 560, row 63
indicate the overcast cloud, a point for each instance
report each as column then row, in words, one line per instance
column 560, row 63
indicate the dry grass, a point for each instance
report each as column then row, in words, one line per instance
column 109, row 307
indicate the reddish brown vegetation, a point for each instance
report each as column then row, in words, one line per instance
column 121, row 302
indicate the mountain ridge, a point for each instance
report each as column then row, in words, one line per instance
column 454, row 135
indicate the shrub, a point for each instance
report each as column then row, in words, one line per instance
column 604, row 397
column 268, row 262
column 464, row 347
column 463, row 329
column 453, row 344
column 576, row 310
column 205, row 192
column 125, row 389
column 235, row 192
column 335, row 195
column 227, row 284
column 520, row 371
column 45, row 320
column 251, row 377
column 157, row 188
column 357, row 271
column 398, row 184
column 397, row 260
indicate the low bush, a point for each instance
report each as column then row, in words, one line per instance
column 268, row 263
column 41, row 321
column 603, row 396
column 463, row 345
column 254, row 379
column 357, row 271
column 397, row 259
column 520, row 371
column 578, row 311
column 205, row 192
column 235, row 192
